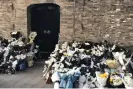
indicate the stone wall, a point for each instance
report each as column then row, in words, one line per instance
column 93, row 20
column 98, row 20
column 13, row 16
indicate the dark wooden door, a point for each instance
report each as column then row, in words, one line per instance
column 45, row 20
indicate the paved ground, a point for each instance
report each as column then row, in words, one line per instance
column 30, row 78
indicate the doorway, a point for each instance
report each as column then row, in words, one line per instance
column 44, row 18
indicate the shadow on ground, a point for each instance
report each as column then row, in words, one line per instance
column 30, row 78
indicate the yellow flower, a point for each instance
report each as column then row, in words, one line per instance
column 112, row 63
column 104, row 75
column 65, row 54
column 111, row 79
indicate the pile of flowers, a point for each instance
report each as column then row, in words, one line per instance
column 89, row 65
column 15, row 54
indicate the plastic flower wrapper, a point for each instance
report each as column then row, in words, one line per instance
column 64, row 46
column 56, row 47
column 81, row 50
column 30, row 56
column 87, row 43
column 30, row 63
column 71, row 79
column 82, row 56
column 53, row 54
column 18, row 57
column 11, row 57
column 56, row 85
column 127, row 80
column 70, row 52
column 64, row 70
column 20, row 43
column 51, row 60
column 101, row 48
column 131, row 63
column 75, row 44
column 98, row 53
column 119, row 56
column 1, row 50
column 58, row 66
column 35, row 50
column 115, row 80
column 44, row 70
column 56, row 79
column 69, row 83
column 89, row 82
column 82, row 80
column 17, row 42
column 23, row 56
column 128, row 61
column 101, row 78
column 73, row 71
column 14, row 64
column 7, row 50
column 13, row 43
column 63, row 81
column 76, row 75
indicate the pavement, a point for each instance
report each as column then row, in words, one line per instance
column 29, row 78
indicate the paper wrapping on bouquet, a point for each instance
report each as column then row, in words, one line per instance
column 14, row 64
column 30, row 63
column 56, row 47
column 56, row 79
column 56, row 85
column 82, row 80
column 85, row 86
column 116, row 80
column 29, row 59
column 70, row 53
column 102, row 79
column 119, row 56
column 64, row 45
column 127, row 80
column 88, row 85
column 1, row 50
column 30, row 56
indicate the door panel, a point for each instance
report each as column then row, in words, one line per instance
column 45, row 20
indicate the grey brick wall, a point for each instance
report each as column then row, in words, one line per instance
column 95, row 20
